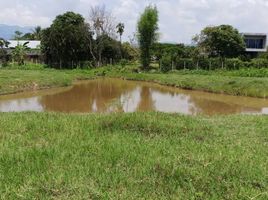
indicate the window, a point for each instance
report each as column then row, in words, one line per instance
column 254, row 43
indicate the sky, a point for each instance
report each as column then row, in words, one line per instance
column 179, row 20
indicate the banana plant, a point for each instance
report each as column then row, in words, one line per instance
column 19, row 53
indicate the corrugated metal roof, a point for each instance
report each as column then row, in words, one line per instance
column 33, row 44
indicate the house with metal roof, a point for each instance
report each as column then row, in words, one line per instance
column 34, row 46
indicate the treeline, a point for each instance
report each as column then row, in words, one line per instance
column 75, row 42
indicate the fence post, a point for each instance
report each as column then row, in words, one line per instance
column 184, row 65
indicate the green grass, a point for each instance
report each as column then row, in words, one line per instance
column 241, row 83
column 133, row 156
column 215, row 83
column 17, row 80
column 243, row 72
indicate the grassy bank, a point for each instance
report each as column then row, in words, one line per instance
column 15, row 80
column 132, row 156
column 244, row 83
column 194, row 80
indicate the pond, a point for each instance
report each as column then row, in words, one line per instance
column 115, row 95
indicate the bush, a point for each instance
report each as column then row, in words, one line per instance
column 166, row 63
column 86, row 65
column 123, row 62
column 259, row 63
column 234, row 63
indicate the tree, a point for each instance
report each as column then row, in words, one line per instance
column 110, row 49
column 3, row 53
column 120, row 30
column 147, row 34
column 17, row 35
column 66, row 41
column 27, row 36
column 19, row 52
column 130, row 52
column 37, row 33
column 223, row 41
column 101, row 22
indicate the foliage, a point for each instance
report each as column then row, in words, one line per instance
column 130, row 52
column 17, row 35
column 65, row 42
column 110, row 49
column 100, row 25
column 259, row 63
column 123, row 62
column 147, row 34
column 120, row 30
column 166, row 63
column 174, row 50
column 19, row 52
column 3, row 52
column 35, row 35
column 223, row 41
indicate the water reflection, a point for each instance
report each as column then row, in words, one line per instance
column 115, row 95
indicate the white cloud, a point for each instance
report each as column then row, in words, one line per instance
column 179, row 19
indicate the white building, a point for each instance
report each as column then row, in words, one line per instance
column 255, row 42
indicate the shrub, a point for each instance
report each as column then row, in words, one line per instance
column 234, row 63
column 259, row 63
column 123, row 62
column 86, row 65
column 166, row 63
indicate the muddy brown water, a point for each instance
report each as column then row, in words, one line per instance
column 116, row 95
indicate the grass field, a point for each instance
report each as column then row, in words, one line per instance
column 133, row 156
column 233, row 82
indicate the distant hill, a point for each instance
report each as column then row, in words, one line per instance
column 7, row 31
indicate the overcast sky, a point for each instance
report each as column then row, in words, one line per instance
column 179, row 19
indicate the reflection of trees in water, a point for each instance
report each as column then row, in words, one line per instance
column 90, row 97
column 146, row 101
column 116, row 95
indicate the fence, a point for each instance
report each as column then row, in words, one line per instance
column 167, row 64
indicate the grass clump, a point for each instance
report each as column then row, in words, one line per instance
column 132, row 156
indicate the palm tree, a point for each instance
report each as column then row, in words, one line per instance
column 120, row 30
column 18, row 35
column 37, row 31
